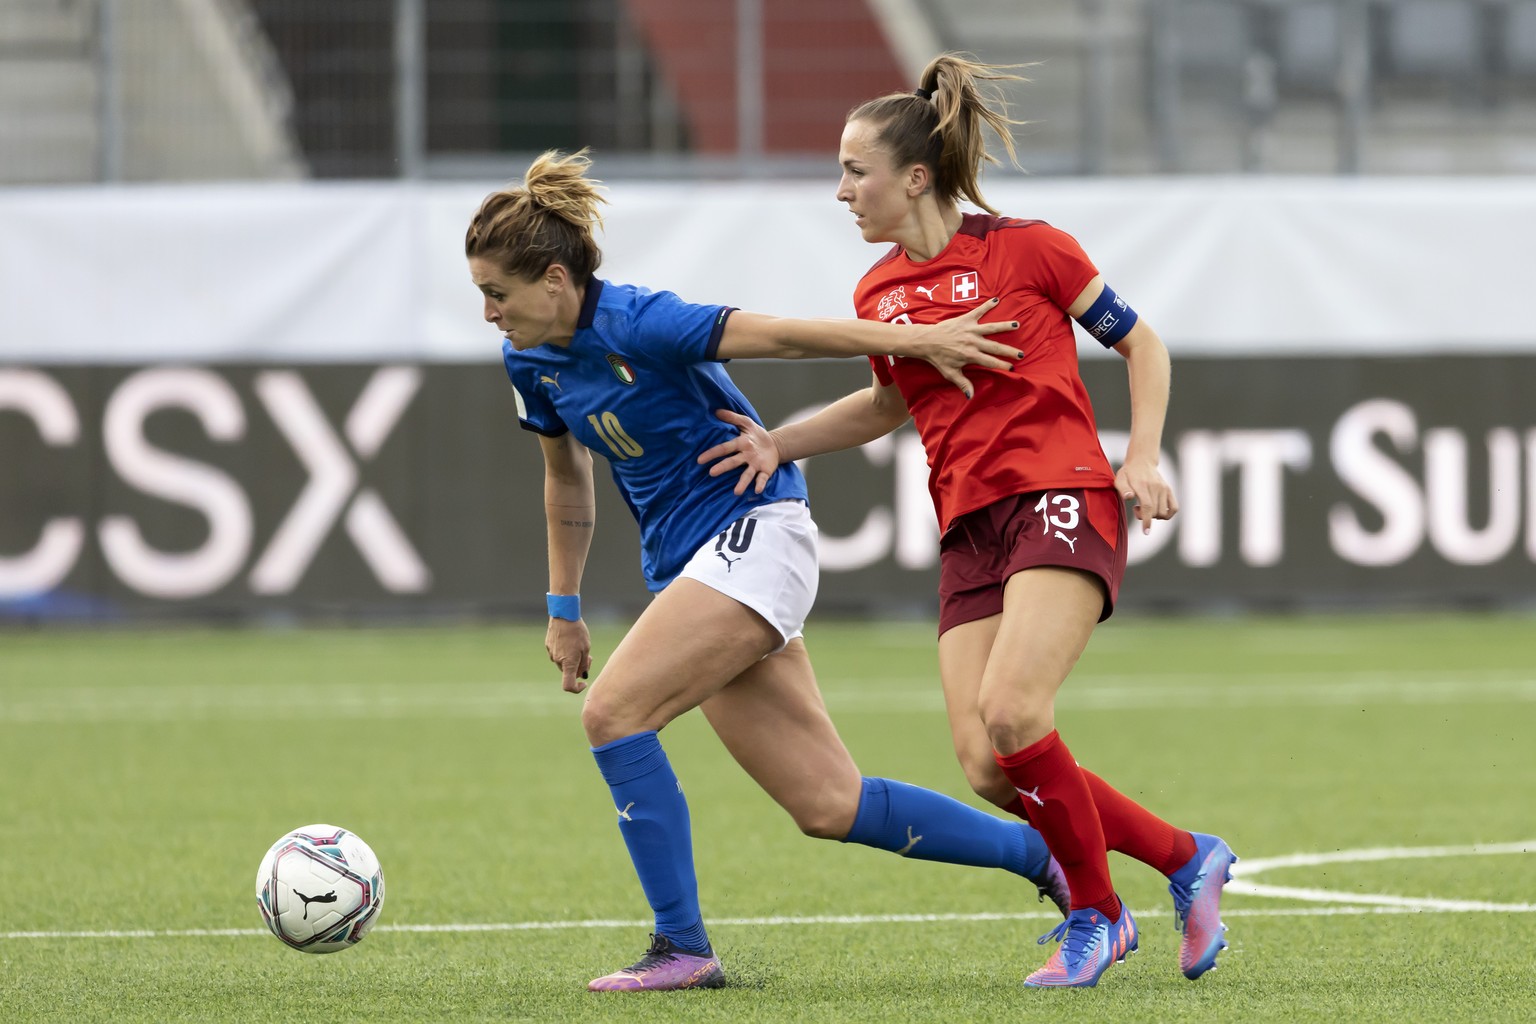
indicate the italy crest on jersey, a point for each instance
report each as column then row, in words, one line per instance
column 621, row 369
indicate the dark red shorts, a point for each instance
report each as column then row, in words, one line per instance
column 1075, row 529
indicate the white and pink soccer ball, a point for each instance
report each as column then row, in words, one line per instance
column 320, row 889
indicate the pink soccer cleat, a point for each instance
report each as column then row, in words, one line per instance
column 1052, row 885
column 664, row 968
column 1197, row 909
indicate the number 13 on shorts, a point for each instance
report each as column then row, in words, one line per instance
column 1060, row 511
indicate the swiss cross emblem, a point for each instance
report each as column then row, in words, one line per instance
column 964, row 287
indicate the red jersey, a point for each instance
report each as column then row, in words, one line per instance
column 1028, row 429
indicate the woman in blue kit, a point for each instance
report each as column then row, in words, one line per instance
column 636, row 376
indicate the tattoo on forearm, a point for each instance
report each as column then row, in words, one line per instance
column 580, row 515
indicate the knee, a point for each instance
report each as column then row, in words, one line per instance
column 986, row 779
column 824, row 826
column 828, row 814
column 1013, row 724
column 603, row 723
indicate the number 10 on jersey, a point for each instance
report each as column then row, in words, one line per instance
column 612, row 432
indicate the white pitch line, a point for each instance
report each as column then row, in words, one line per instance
column 1255, row 865
column 1286, row 892
column 759, row 922
column 1244, row 870
column 1242, row 874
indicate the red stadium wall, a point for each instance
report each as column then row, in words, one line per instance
column 820, row 59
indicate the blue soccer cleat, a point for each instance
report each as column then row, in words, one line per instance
column 1090, row 942
column 1197, row 909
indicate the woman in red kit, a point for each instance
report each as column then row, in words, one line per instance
column 1033, row 516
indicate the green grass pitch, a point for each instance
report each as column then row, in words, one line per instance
column 146, row 772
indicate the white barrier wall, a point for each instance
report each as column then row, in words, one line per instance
column 244, row 401
column 1232, row 267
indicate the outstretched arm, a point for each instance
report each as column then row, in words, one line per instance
column 950, row 345
column 847, row 423
column 570, row 513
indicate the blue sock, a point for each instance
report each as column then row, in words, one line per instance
column 653, row 819
column 925, row 825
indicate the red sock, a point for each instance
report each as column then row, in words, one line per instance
column 1061, row 808
column 1131, row 829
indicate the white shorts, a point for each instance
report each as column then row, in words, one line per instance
column 767, row 561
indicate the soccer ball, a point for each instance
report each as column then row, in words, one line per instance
column 320, row 888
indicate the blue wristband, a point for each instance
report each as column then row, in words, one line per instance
column 1109, row 318
column 564, row 606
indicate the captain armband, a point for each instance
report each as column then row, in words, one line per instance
column 1109, row 318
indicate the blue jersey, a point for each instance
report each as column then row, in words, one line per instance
column 639, row 384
